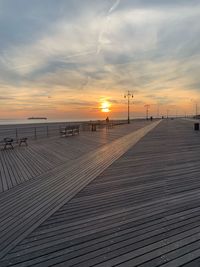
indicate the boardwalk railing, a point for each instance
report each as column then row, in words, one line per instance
column 35, row 131
column 32, row 132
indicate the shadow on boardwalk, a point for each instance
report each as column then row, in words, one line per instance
column 42, row 155
column 143, row 210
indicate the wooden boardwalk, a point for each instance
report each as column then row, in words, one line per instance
column 42, row 155
column 29, row 204
column 142, row 210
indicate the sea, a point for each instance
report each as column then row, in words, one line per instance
column 36, row 121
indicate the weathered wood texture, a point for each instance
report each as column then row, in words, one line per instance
column 25, row 163
column 141, row 211
column 25, row 207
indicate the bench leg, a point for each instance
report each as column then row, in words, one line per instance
column 21, row 142
column 9, row 144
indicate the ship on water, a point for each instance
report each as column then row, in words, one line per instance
column 37, row 118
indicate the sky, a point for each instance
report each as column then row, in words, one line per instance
column 66, row 58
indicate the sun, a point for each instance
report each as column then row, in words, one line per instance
column 105, row 106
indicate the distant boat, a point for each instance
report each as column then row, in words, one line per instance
column 37, row 118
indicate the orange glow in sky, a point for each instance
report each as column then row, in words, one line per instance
column 79, row 65
column 105, row 106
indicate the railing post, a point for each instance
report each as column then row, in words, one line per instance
column 35, row 132
column 16, row 134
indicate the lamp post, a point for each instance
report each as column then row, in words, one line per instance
column 196, row 107
column 147, row 111
column 128, row 95
column 167, row 113
column 185, row 114
column 158, row 110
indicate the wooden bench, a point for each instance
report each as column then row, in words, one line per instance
column 70, row 130
column 23, row 140
column 8, row 142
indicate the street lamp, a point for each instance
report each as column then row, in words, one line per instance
column 128, row 95
column 158, row 110
column 147, row 111
column 167, row 113
column 196, row 107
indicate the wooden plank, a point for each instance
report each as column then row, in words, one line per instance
column 130, row 215
column 45, row 154
column 30, row 211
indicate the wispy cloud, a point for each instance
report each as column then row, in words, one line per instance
column 94, row 49
column 104, row 30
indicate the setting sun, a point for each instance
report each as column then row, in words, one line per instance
column 105, row 106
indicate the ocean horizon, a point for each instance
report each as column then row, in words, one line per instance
column 36, row 121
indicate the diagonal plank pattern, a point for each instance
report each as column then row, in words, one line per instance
column 33, row 203
column 25, row 163
column 141, row 211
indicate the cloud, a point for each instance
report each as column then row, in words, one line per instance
column 6, row 98
column 98, row 49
